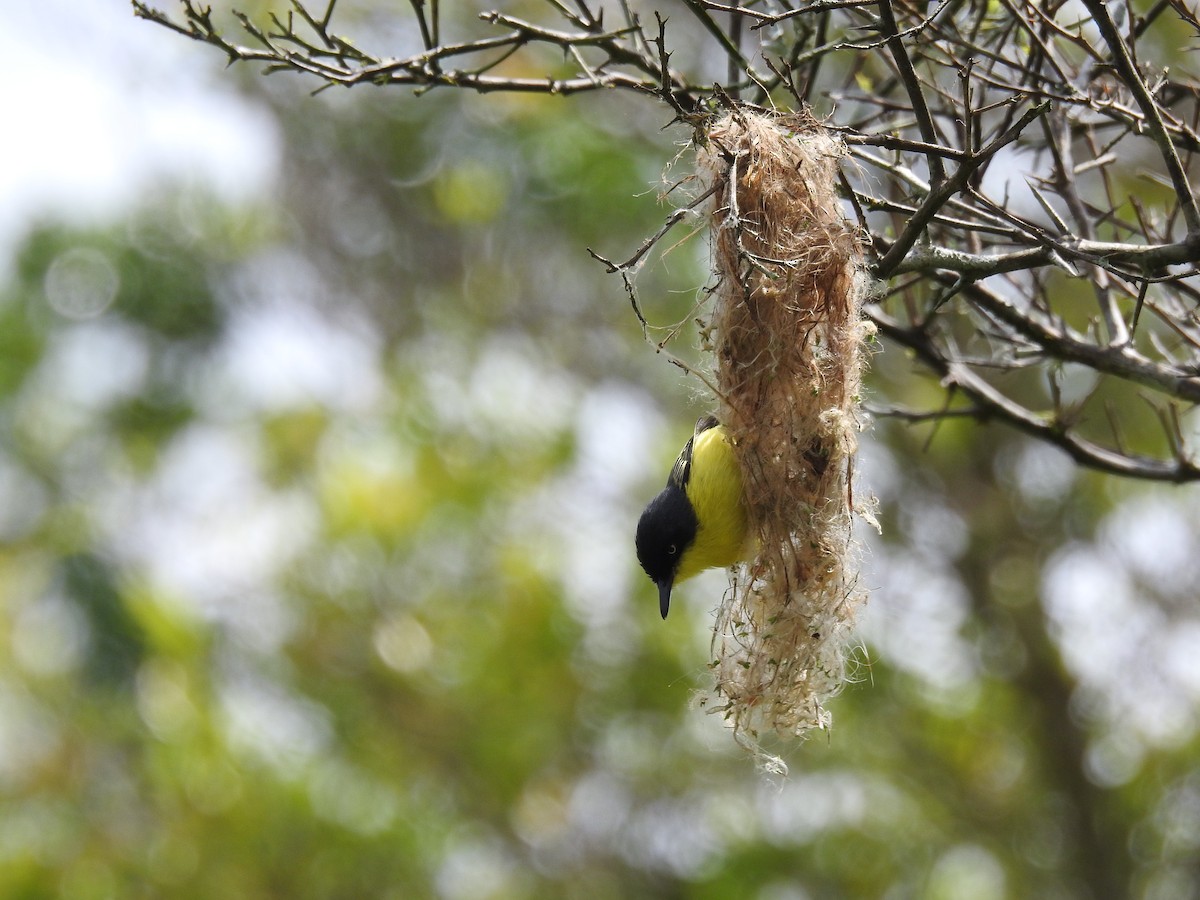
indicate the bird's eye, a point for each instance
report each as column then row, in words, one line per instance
column 672, row 550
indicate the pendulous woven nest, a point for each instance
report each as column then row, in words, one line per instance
column 788, row 342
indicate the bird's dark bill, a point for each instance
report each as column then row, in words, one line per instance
column 664, row 596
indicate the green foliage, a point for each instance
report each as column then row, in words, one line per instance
column 115, row 645
column 20, row 346
column 370, row 624
column 159, row 288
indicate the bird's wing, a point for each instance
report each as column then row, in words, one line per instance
column 682, row 469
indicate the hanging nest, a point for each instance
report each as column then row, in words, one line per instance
column 788, row 340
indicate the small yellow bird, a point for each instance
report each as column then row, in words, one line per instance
column 698, row 521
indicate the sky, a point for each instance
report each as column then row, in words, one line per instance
column 102, row 105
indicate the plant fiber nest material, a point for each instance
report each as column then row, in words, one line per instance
column 788, row 340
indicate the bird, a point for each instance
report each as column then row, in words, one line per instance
column 698, row 521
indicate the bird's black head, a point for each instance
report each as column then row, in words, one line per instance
column 666, row 529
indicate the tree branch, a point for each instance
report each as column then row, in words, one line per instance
column 975, row 262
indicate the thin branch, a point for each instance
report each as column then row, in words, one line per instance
column 935, row 108
column 939, row 196
column 995, row 405
column 1133, row 80
column 916, row 94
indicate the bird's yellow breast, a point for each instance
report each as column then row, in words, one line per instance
column 714, row 488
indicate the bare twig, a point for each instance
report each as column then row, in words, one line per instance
column 995, row 151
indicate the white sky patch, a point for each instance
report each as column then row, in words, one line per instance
column 917, row 617
column 804, row 806
column 94, row 364
column 1181, row 654
column 341, row 793
column 1121, row 645
column 671, row 835
column 1040, row 471
column 935, row 532
column 1088, row 595
column 967, row 870
column 285, row 730
column 477, row 864
column 513, row 390
column 208, row 532
column 85, row 367
column 504, row 386
column 1157, row 539
column 101, row 105
column 286, row 355
column 618, row 432
column 876, row 472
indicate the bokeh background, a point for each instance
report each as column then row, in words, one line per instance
column 322, row 441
